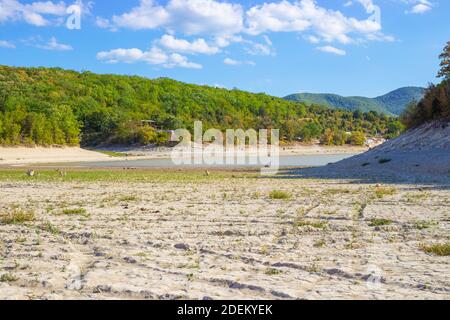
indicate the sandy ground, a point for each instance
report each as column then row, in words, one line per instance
column 23, row 155
column 224, row 238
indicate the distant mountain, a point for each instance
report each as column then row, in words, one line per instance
column 392, row 103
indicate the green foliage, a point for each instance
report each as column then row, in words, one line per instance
column 358, row 138
column 442, row 250
column 444, row 72
column 279, row 195
column 53, row 106
column 434, row 106
column 380, row 222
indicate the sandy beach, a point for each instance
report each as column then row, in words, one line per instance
column 230, row 235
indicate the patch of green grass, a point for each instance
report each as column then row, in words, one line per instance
column 16, row 215
column 112, row 153
column 75, row 212
column 8, row 277
column 122, row 175
column 442, row 250
column 379, row 222
column 304, row 223
column 280, row 195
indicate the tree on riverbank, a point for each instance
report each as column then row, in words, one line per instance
column 436, row 103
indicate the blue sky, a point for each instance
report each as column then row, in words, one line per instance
column 357, row 47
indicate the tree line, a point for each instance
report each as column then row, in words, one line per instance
column 47, row 106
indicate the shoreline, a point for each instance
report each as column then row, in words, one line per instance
column 20, row 156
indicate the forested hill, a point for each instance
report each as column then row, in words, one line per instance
column 393, row 102
column 54, row 106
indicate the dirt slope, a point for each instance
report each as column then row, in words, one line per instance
column 419, row 155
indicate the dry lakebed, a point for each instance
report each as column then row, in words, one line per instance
column 151, row 234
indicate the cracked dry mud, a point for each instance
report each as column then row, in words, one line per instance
column 224, row 239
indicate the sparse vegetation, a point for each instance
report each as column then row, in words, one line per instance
column 8, row 277
column 128, row 198
column 422, row 225
column 279, row 195
column 314, row 224
column 379, row 222
column 272, row 272
column 381, row 192
column 48, row 227
column 17, row 215
column 75, row 212
column 437, row 249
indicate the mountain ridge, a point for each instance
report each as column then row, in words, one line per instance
column 392, row 103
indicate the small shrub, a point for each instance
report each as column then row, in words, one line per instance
column 8, row 277
column 279, row 195
column 381, row 192
column 442, row 250
column 17, row 216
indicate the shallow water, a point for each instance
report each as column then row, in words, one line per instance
column 285, row 161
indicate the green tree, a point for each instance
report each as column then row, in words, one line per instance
column 444, row 72
column 357, row 138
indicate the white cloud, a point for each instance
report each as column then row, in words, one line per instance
column 333, row 50
column 154, row 56
column 259, row 49
column 34, row 13
column 419, row 6
column 54, row 45
column 6, row 44
column 232, row 62
column 200, row 46
column 216, row 24
column 307, row 15
column 191, row 17
column 39, row 13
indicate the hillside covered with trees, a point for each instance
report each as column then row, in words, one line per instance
column 392, row 103
column 42, row 106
